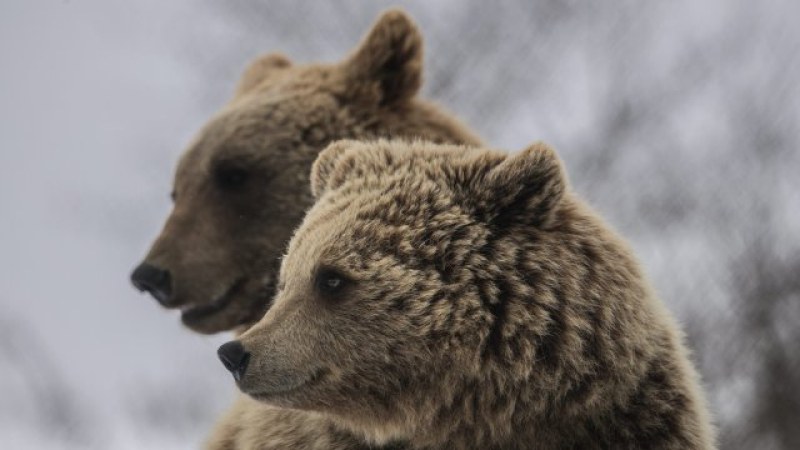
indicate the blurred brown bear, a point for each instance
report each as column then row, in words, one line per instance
column 242, row 186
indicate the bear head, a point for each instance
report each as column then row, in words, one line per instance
column 395, row 296
column 242, row 186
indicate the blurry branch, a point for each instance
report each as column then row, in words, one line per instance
column 183, row 408
column 767, row 290
column 57, row 415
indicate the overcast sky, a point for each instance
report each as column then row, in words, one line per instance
column 98, row 99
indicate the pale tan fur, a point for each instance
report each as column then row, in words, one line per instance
column 477, row 303
column 252, row 425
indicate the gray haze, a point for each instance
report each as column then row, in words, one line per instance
column 678, row 120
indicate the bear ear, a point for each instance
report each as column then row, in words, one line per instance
column 259, row 70
column 525, row 188
column 387, row 66
column 325, row 173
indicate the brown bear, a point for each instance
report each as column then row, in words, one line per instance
column 445, row 297
column 242, row 186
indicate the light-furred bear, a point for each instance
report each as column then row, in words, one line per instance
column 443, row 297
column 241, row 188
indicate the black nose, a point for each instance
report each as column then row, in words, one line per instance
column 148, row 278
column 234, row 358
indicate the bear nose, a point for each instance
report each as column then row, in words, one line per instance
column 148, row 278
column 234, row 358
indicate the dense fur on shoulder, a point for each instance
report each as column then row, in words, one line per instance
column 458, row 298
column 242, row 186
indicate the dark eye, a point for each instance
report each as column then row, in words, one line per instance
column 230, row 177
column 330, row 283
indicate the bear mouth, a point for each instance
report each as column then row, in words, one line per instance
column 192, row 314
column 284, row 391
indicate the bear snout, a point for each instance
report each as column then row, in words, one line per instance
column 153, row 280
column 234, row 358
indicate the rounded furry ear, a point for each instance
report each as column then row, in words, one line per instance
column 526, row 187
column 259, row 70
column 387, row 66
column 324, row 168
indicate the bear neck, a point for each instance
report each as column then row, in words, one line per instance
column 602, row 366
column 654, row 409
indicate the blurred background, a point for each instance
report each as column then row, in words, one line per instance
column 678, row 120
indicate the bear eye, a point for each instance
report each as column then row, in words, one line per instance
column 330, row 282
column 230, row 177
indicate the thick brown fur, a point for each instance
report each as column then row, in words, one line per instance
column 446, row 297
column 253, row 425
column 241, row 188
